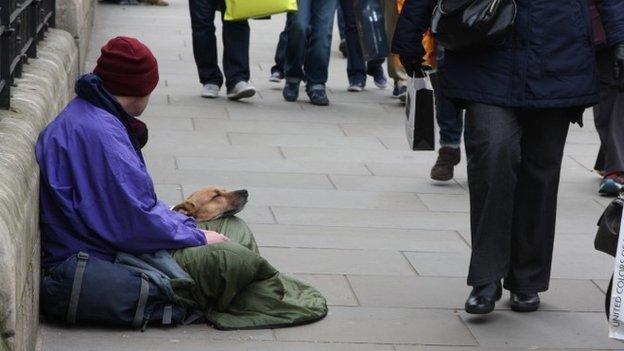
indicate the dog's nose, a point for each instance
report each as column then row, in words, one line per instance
column 244, row 193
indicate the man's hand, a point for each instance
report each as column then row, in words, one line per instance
column 214, row 237
column 618, row 64
column 413, row 65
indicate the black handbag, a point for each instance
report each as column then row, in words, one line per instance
column 466, row 25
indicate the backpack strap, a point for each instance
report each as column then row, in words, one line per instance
column 76, row 287
column 140, row 311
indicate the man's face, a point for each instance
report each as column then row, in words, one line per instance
column 138, row 107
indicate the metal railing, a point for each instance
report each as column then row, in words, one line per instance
column 22, row 25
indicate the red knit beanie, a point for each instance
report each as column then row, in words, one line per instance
column 127, row 68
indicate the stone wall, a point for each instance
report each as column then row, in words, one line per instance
column 76, row 17
column 45, row 88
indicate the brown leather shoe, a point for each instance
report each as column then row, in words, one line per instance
column 448, row 158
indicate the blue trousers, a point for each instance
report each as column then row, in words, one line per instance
column 309, row 42
column 449, row 117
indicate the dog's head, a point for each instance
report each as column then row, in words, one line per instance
column 212, row 203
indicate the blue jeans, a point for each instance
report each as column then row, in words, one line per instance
column 449, row 117
column 309, row 42
column 280, row 51
column 341, row 25
column 357, row 68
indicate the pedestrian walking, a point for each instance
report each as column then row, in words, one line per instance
column 357, row 68
column 396, row 71
column 520, row 96
column 235, row 52
column 277, row 71
column 450, row 119
column 609, row 114
column 308, row 50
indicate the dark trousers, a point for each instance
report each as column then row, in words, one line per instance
column 282, row 45
column 235, row 44
column 449, row 116
column 309, row 42
column 514, row 163
column 609, row 118
column 357, row 68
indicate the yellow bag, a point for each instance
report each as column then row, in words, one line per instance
column 237, row 10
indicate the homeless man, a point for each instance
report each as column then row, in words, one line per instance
column 97, row 198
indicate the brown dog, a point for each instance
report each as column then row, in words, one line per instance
column 213, row 203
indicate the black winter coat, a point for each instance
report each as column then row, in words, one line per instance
column 548, row 61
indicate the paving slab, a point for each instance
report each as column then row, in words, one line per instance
column 323, row 261
column 266, row 127
column 451, row 293
column 359, row 238
column 384, row 325
column 335, row 288
column 557, row 330
column 272, row 166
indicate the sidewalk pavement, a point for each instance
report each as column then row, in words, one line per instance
column 338, row 200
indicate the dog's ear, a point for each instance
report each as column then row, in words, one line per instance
column 186, row 208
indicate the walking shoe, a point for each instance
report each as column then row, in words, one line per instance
column 399, row 90
column 443, row 169
column 356, row 86
column 291, row 91
column 210, row 91
column 482, row 299
column 612, row 184
column 276, row 77
column 524, row 302
column 343, row 48
column 379, row 77
column 318, row 97
column 241, row 90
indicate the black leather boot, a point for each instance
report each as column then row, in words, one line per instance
column 523, row 302
column 482, row 299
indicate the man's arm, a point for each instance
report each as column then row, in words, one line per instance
column 612, row 16
column 115, row 197
column 413, row 22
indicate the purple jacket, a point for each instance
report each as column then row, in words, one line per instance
column 96, row 194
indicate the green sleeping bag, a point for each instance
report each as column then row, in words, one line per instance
column 238, row 289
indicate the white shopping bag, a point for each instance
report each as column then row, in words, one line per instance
column 419, row 113
column 616, row 311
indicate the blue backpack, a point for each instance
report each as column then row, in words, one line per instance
column 86, row 289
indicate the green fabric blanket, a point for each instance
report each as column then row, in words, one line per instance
column 238, row 289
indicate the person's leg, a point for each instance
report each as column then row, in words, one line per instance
column 235, row 52
column 356, row 66
column 204, row 41
column 280, row 52
column 395, row 69
column 450, row 120
column 341, row 24
column 493, row 148
column 535, row 205
column 297, row 41
column 317, row 58
column 609, row 121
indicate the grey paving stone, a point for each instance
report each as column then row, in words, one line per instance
column 422, row 169
column 324, row 261
column 384, row 325
column 274, row 166
column 371, row 218
column 212, row 112
column 446, row 203
column 557, row 330
column 335, row 199
column 169, row 193
column 354, row 143
column 169, row 123
column 451, row 293
column 575, row 258
column 197, row 179
column 370, row 129
column 320, row 237
column 439, row 264
column 354, row 155
column 257, row 214
column 399, row 184
column 453, row 348
column 105, row 344
column 265, row 127
column 335, row 288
